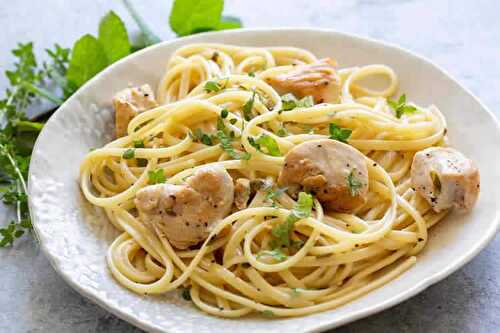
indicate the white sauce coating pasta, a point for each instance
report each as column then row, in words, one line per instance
column 343, row 256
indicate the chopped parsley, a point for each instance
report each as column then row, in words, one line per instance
column 204, row 138
column 248, row 106
column 129, row 154
column 251, row 74
column 290, row 102
column 302, row 209
column 225, row 143
column 212, row 86
column 156, row 177
column 224, row 113
column 233, row 121
column 338, row 133
column 267, row 142
column 139, row 144
column 400, row 106
column 271, row 193
column 282, row 132
column 267, row 313
column 276, row 254
column 353, row 183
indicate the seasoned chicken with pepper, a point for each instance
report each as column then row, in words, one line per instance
column 445, row 178
column 186, row 213
column 319, row 80
column 242, row 193
column 128, row 103
column 334, row 172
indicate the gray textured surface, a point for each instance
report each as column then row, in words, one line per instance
column 461, row 36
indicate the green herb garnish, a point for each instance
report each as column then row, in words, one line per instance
column 339, row 133
column 267, row 313
column 400, row 106
column 225, row 142
column 224, row 113
column 156, row 177
column 290, row 102
column 276, row 254
column 247, row 108
column 212, row 86
column 193, row 16
column 302, row 209
column 353, row 184
column 139, row 144
column 282, row 132
column 129, row 153
column 266, row 142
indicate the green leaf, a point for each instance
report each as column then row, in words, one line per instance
column 282, row 132
column 338, row 133
column 212, row 86
column 129, row 154
column 88, row 58
column 139, row 144
column 229, row 22
column 224, row 113
column 353, row 183
column 276, row 254
column 400, row 107
column 271, row 193
column 225, row 143
column 267, row 313
column 301, row 210
column 156, row 177
column 113, row 37
column 290, row 102
column 191, row 16
column 267, row 142
column 306, row 102
column 247, row 108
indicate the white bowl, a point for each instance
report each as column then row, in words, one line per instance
column 75, row 236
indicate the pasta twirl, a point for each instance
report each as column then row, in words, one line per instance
column 334, row 257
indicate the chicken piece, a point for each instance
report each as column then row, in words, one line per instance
column 333, row 171
column 445, row 178
column 187, row 213
column 319, row 80
column 241, row 193
column 128, row 103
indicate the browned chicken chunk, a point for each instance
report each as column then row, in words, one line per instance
column 445, row 178
column 333, row 171
column 319, row 80
column 128, row 103
column 241, row 193
column 186, row 213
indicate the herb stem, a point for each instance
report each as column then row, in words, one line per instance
column 18, row 203
column 16, row 168
column 150, row 37
column 42, row 93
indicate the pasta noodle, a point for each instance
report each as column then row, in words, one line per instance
column 341, row 256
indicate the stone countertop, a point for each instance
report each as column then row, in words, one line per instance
column 461, row 36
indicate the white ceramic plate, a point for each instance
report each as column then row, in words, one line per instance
column 75, row 236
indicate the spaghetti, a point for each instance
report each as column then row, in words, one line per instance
column 335, row 257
